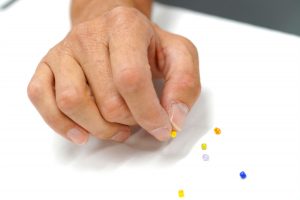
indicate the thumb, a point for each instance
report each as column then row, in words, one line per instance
column 182, row 80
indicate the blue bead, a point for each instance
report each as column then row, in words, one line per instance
column 243, row 175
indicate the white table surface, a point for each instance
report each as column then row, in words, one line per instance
column 251, row 90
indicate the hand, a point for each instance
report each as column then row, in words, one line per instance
column 98, row 79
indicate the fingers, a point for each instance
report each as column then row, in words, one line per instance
column 182, row 80
column 74, row 99
column 41, row 93
column 97, row 69
column 132, row 77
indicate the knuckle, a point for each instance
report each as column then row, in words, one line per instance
column 81, row 32
column 58, row 52
column 190, row 46
column 88, row 36
column 191, row 83
column 114, row 109
column 34, row 90
column 130, row 80
column 69, row 99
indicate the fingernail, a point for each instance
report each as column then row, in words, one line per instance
column 77, row 136
column 162, row 134
column 121, row 136
column 178, row 115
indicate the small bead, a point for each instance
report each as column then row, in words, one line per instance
column 205, row 157
column 243, row 175
column 173, row 134
column 203, row 146
column 181, row 193
column 217, row 131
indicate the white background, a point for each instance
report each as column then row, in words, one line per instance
column 251, row 90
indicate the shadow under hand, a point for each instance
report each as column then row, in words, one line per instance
column 141, row 148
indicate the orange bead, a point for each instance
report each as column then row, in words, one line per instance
column 217, row 131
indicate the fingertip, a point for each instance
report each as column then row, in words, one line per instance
column 121, row 136
column 162, row 134
column 77, row 136
column 178, row 113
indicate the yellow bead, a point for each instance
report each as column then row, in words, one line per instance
column 173, row 134
column 181, row 193
column 203, row 146
column 217, row 131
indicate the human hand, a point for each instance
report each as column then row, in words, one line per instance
column 98, row 79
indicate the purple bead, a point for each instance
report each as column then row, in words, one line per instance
column 205, row 157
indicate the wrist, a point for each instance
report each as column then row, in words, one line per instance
column 82, row 10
